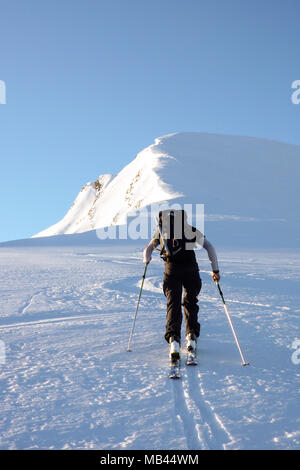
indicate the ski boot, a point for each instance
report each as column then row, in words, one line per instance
column 174, row 348
column 191, row 342
column 174, row 354
column 191, row 345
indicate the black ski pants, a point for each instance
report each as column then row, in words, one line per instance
column 176, row 280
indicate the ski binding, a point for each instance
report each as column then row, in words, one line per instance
column 191, row 359
column 175, row 367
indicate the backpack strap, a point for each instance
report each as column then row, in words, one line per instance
column 164, row 252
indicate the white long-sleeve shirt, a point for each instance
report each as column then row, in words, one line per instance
column 200, row 239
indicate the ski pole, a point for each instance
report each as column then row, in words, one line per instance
column 231, row 325
column 137, row 307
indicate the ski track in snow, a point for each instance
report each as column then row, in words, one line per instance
column 210, row 428
column 202, row 427
column 68, row 381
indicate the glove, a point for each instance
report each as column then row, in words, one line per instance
column 147, row 255
column 215, row 275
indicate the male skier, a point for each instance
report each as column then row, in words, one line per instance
column 178, row 240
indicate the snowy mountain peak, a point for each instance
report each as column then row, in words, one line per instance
column 233, row 176
column 82, row 210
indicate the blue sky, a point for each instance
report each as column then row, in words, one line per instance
column 90, row 83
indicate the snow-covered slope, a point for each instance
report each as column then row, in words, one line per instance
column 67, row 381
column 136, row 186
column 81, row 213
column 67, row 305
column 237, row 178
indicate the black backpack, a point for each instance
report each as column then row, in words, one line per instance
column 171, row 226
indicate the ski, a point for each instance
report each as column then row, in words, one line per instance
column 175, row 369
column 191, row 359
